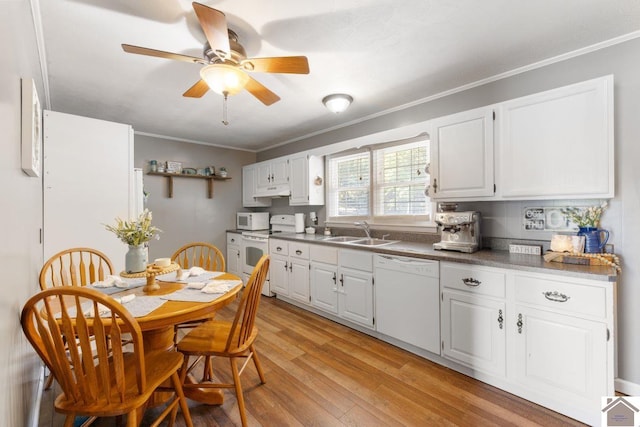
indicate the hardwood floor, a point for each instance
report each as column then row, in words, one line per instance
column 320, row 373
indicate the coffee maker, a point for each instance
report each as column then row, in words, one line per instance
column 460, row 231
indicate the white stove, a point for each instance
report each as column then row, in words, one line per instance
column 256, row 243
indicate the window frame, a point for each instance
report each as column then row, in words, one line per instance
column 397, row 222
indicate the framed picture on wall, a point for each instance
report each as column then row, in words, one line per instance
column 31, row 129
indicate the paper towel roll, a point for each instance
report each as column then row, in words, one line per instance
column 299, row 222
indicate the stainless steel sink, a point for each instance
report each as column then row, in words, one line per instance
column 342, row 239
column 372, row 242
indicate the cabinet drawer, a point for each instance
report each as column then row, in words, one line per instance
column 233, row 239
column 278, row 247
column 565, row 296
column 299, row 250
column 358, row 260
column 324, row 254
column 475, row 279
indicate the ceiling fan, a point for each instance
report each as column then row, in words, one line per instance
column 226, row 65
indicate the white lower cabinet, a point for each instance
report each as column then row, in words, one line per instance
column 233, row 261
column 342, row 283
column 543, row 337
column 289, row 271
column 473, row 316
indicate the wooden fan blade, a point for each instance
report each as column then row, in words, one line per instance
column 197, row 90
column 279, row 64
column 256, row 89
column 161, row 54
column 214, row 25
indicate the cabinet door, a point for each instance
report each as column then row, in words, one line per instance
column 462, row 155
column 299, row 181
column 279, row 171
column 249, row 188
column 324, row 289
column 355, row 300
column 473, row 331
column 560, row 356
column 299, row 280
column 233, row 260
column 279, row 275
column 263, row 174
column 559, row 143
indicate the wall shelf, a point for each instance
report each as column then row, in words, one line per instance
column 209, row 179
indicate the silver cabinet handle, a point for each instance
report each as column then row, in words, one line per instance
column 469, row 281
column 279, row 249
column 298, row 252
column 500, row 319
column 519, row 323
column 556, row 296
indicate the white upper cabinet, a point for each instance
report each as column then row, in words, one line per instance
column 273, row 173
column 558, row 144
column 306, row 180
column 249, row 188
column 462, row 155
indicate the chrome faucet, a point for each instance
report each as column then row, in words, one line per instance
column 365, row 226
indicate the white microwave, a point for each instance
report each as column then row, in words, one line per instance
column 252, row 220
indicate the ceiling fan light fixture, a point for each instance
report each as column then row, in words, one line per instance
column 337, row 102
column 224, row 78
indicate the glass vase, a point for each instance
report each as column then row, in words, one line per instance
column 135, row 260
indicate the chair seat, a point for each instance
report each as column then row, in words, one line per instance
column 159, row 368
column 211, row 338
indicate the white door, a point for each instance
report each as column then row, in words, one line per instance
column 558, row 143
column 279, row 275
column 299, row 280
column 324, row 287
column 473, row 331
column 279, row 171
column 462, row 155
column 249, row 188
column 562, row 356
column 355, row 301
column 88, row 177
column 299, row 181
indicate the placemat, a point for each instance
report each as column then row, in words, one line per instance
column 196, row 295
column 206, row 276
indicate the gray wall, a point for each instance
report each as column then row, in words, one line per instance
column 21, row 213
column 190, row 215
column 502, row 219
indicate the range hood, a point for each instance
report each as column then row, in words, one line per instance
column 274, row 191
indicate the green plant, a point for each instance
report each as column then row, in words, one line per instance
column 135, row 232
column 585, row 216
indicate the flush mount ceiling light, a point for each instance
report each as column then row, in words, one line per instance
column 337, row 102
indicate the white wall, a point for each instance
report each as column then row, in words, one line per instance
column 190, row 216
column 622, row 219
column 21, row 218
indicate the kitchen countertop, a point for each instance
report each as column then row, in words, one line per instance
column 490, row 258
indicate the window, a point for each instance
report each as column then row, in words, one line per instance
column 383, row 184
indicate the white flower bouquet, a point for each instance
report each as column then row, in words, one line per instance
column 135, row 232
column 585, row 216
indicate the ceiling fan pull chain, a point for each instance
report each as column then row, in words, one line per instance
column 224, row 109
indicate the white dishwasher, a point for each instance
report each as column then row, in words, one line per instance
column 408, row 300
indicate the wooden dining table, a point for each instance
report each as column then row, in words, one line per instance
column 158, row 326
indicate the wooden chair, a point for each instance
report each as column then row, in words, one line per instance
column 107, row 381
column 233, row 340
column 197, row 254
column 200, row 254
column 75, row 267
